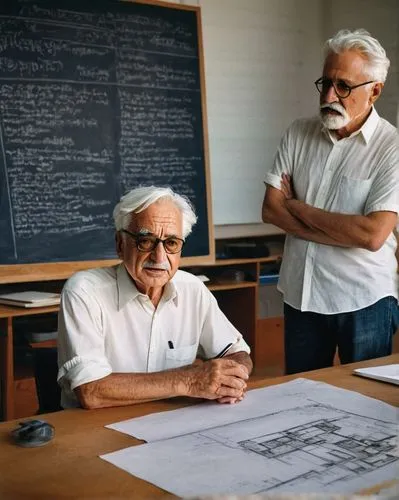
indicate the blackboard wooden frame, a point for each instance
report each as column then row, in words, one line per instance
column 47, row 271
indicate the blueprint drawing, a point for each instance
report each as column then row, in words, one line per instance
column 305, row 446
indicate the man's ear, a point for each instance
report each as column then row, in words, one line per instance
column 376, row 92
column 119, row 242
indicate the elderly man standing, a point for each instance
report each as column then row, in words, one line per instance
column 143, row 329
column 334, row 189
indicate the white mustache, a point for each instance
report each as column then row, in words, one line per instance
column 335, row 106
column 164, row 266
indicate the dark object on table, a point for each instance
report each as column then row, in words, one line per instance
column 32, row 433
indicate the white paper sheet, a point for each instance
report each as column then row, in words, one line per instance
column 301, row 436
column 257, row 403
column 386, row 373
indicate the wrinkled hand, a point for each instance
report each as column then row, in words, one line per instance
column 287, row 187
column 221, row 379
column 229, row 399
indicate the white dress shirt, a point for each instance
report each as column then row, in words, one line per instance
column 355, row 175
column 106, row 325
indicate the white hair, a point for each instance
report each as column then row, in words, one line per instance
column 138, row 199
column 361, row 41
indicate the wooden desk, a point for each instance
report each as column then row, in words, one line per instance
column 69, row 466
column 7, row 314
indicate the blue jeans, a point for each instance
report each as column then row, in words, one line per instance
column 311, row 339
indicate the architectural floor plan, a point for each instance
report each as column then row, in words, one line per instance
column 333, row 448
column 300, row 444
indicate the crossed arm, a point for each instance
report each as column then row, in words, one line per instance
column 280, row 207
column 221, row 379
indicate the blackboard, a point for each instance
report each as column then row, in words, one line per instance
column 96, row 97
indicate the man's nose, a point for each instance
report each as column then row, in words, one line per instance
column 330, row 95
column 158, row 254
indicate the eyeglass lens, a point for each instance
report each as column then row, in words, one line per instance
column 149, row 243
column 341, row 88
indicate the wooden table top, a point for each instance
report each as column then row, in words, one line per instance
column 70, row 467
column 13, row 311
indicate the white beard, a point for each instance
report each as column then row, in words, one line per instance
column 334, row 122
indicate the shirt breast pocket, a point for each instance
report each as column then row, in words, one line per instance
column 181, row 356
column 351, row 195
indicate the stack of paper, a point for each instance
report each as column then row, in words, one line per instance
column 386, row 373
column 30, row 299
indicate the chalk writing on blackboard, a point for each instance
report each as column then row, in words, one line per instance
column 94, row 101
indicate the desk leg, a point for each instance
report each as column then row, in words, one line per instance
column 7, row 368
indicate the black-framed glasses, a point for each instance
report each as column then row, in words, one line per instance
column 149, row 242
column 341, row 88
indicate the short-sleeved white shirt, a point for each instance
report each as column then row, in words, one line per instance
column 106, row 325
column 355, row 175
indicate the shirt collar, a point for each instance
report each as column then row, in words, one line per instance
column 366, row 130
column 170, row 292
column 128, row 291
column 370, row 125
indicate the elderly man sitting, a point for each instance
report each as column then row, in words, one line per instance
column 144, row 329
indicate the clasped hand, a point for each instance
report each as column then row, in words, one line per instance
column 287, row 187
column 221, row 379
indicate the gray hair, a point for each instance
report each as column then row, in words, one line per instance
column 138, row 199
column 361, row 41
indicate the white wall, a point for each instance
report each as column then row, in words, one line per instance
column 260, row 62
column 261, row 59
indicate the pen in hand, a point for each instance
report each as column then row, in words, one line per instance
column 224, row 351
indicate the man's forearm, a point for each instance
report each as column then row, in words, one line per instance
column 280, row 216
column 291, row 224
column 243, row 358
column 213, row 379
column 122, row 389
column 342, row 229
